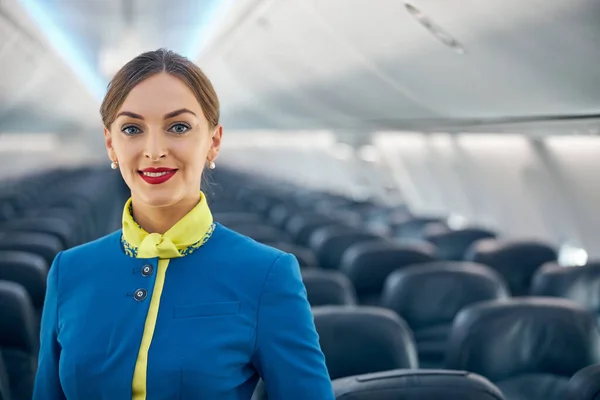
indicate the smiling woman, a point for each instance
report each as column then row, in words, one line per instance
column 161, row 117
column 173, row 305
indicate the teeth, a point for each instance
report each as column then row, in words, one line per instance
column 154, row 174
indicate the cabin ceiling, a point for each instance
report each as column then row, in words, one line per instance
column 369, row 64
column 348, row 65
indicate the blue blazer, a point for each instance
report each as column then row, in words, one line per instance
column 231, row 311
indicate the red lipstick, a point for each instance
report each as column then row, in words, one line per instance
column 156, row 176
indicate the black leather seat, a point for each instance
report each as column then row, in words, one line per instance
column 53, row 226
column 280, row 214
column 585, row 384
column 43, row 244
column 361, row 340
column 416, row 385
column 516, row 261
column 231, row 219
column 81, row 226
column 580, row 284
column 452, row 245
column 331, row 242
column 328, row 288
column 261, row 233
column 28, row 270
column 413, row 227
column 529, row 347
column 428, row 297
column 5, row 393
column 369, row 264
column 18, row 339
column 302, row 226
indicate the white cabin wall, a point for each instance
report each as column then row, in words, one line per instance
column 522, row 187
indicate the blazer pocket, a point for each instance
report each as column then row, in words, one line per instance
column 207, row 309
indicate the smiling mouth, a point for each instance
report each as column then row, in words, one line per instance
column 157, row 177
column 155, row 174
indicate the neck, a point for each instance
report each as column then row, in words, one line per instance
column 161, row 219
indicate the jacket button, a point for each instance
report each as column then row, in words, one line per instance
column 140, row 294
column 147, row 270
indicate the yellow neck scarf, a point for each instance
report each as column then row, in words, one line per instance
column 186, row 236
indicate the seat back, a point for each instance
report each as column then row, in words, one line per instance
column 18, row 339
column 360, row 340
column 231, row 219
column 4, row 380
column 369, row 264
column 301, row 226
column 57, row 227
column 585, row 384
column 29, row 270
column 516, row 261
column 452, row 245
column 428, row 297
column 580, row 284
column 43, row 244
column 331, row 242
column 413, row 227
column 527, row 346
column 416, row 385
column 328, row 288
column 260, row 232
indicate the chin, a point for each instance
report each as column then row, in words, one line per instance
column 158, row 197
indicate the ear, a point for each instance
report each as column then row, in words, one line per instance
column 215, row 145
column 109, row 145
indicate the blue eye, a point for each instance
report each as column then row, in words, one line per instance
column 179, row 128
column 131, row 130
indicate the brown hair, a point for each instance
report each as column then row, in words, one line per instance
column 154, row 62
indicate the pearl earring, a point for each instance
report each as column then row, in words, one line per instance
column 114, row 165
column 212, row 165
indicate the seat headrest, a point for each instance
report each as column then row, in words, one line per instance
column 433, row 293
column 44, row 244
column 413, row 226
column 369, row 264
column 330, row 242
column 516, row 261
column 236, row 218
column 585, row 384
column 260, row 232
column 17, row 319
column 416, row 385
column 328, row 288
column 503, row 339
column 29, row 270
column 580, row 284
column 452, row 245
column 361, row 340
column 301, row 226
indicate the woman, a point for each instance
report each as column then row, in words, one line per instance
column 173, row 306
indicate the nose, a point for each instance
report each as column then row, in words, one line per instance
column 155, row 146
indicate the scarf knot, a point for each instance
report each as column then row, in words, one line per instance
column 186, row 236
column 157, row 245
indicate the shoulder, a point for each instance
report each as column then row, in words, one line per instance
column 78, row 268
column 237, row 245
column 103, row 245
column 249, row 255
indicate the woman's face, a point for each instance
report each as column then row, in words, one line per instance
column 162, row 141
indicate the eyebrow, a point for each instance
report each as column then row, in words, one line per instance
column 166, row 116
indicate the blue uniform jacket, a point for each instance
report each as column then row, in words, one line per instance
column 231, row 311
